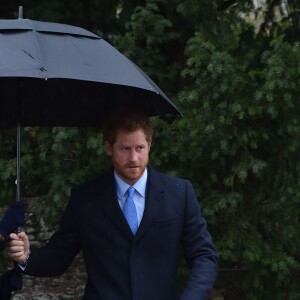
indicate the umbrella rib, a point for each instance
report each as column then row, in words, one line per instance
column 37, row 46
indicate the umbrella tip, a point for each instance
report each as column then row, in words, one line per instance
column 20, row 12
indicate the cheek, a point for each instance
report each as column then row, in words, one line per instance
column 120, row 157
column 145, row 156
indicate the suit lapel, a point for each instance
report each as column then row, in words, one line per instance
column 108, row 199
column 109, row 202
column 154, row 196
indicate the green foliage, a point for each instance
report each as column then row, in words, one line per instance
column 146, row 42
column 52, row 160
column 246, row 154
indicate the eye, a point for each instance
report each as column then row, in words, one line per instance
column 124, row 148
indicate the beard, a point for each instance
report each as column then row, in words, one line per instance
column 132, row 172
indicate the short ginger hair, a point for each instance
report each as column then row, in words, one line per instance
column 129, row 121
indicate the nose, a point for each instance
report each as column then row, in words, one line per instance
column 133, row 156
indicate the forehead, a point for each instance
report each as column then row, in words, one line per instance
column 135, row 137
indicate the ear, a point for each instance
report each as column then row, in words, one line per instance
column 107, row 148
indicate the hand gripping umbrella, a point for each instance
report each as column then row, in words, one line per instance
column 54, row 74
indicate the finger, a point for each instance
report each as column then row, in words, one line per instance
column 18, row 257
column 16, row 249
column 22, row 235
column 13, row 236
column 13, row 243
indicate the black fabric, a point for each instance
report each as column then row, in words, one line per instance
column 10, row 281
column 13, row 218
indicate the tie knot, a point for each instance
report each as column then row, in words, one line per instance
column 131, row 191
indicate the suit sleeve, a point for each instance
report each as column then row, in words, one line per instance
column 57, row 254
column 199, row 251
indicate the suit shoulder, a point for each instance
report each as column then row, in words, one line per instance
column 92, row 183
column 169, row 179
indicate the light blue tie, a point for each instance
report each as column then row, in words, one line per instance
column 130, row 211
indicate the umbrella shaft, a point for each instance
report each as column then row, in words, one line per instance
column 18, row 161
column 20, row 12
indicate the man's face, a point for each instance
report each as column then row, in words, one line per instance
column 129, row 154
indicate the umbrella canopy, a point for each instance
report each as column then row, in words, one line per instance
column 60, row 75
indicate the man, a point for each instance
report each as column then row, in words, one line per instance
column 135, row 259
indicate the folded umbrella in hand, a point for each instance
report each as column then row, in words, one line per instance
column 13, row 218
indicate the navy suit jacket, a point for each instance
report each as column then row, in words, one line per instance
column 121, row 266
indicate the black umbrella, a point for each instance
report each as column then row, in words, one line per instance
column 59, row 75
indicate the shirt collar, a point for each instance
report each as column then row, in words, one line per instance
column 140, row 185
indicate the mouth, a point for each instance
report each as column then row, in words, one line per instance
column 133, row 167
